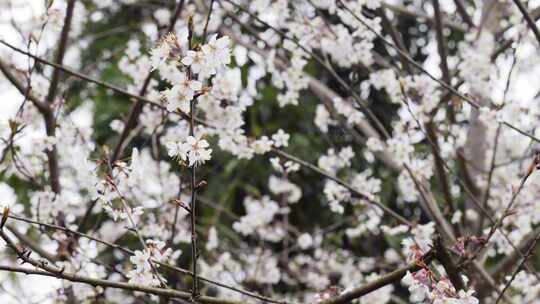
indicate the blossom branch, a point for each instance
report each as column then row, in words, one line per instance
column 193, row 178
column 72, row 277
column 135, row 228
column 382, row 281
column 133, row 97
column 137, row 107
column 131, row 252
column 443, row 84
column 362, row 103
column 404, row 11
column 307, row 165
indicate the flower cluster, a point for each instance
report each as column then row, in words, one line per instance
column 145, row 263
column 259, row 219
column 193, row 150
column 204, row 62
column 424, row 288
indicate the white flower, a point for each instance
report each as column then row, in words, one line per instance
column 144, row 274
column 323, row 119
column 137, row 211
column 423, row 235
column 132, row 50
column 259, row 214
column 466, row 297
column 456, row 217
column 217, row 50
column 345, row 155
column 188, row 86
column 333, row 162
column 394, row 230
column 117, row 125
column 417, row 290
column 276, row 164
column 305, row 241
column 141, row 261
column 262, row 267
column 177, row 99
column 162, row 16
column 159, row 55
column 145, row 278
column 158, row 251
column 262, row 145
column 471, row 215
column 291, row 166
column 175, row 149
column 281, row 139
column 195, row 60
column 292, row 192
column 335, row 193
column 213, row 241
column 48, row 143
column 196, row 151
column 367, row 184
column 181, row 93
column 7, row 196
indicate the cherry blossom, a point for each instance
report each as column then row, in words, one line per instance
column 283, row 151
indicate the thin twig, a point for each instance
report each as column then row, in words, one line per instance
column 528, row 19
column 520, row 266
column 205, row 30
column 193, row 178
column 62, row 46
column 489, row 179
column 396, row 37
column 441, row 43
column 134, row 228
column 31, row 244
column 462, row 11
